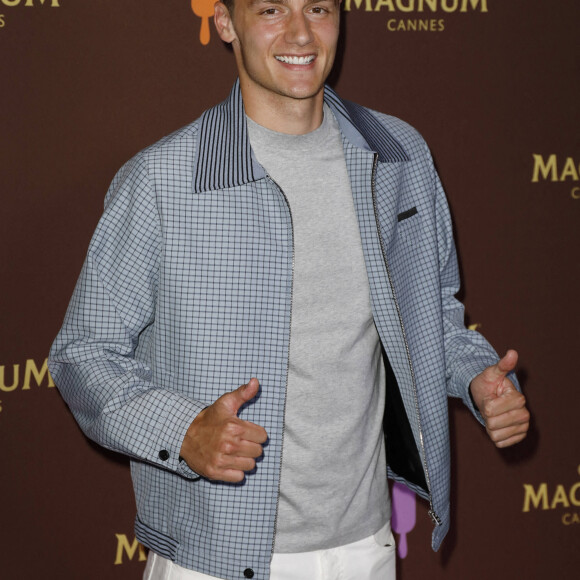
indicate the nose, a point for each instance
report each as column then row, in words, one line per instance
column 298, row 30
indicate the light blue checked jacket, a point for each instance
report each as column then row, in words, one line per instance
column 186, row 293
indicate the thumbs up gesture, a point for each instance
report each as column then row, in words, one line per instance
column 218, row 444
column 502, row 407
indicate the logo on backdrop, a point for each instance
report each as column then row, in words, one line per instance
column 24, row 3
column 129, row 550
column 557, row 169
column 404, row 516
column 203, row 9
column 412, row 15
column 562, row 499
column 416, row 15
column 33, row 375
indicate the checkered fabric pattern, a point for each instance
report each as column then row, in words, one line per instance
column 186, row 293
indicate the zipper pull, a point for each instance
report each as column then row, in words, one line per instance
column 434, row 517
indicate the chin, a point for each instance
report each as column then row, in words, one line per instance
column 303, row 92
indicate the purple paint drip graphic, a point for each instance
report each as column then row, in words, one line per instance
column 404, row 515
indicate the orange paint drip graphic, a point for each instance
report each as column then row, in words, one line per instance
column 203, row 9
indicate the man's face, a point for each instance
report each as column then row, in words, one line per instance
column 283, row 48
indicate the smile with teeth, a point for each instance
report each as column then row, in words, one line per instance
column 296, row 59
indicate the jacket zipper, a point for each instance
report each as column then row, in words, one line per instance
column 287, row 363
column 432, row 514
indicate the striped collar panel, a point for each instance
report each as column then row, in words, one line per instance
column 224, row 156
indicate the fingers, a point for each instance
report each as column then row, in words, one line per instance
column 255, row 433
column 508, row 428
column 238, row 435
column 507, row 420
column 234, row 459
column 508, row 400
column 249, row 449
column 232, row 455
column 510, row 441
column 510, row 435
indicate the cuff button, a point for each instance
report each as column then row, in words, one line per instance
column 248, row 573
column 164, row 455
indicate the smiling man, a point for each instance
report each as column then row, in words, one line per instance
column 284, row 52
column 298, row 245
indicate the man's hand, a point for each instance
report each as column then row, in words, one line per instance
column 503, row 407
column 221, row 446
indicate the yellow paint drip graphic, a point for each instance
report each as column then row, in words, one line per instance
column 203, row 9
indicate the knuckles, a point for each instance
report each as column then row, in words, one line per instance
column 227, row 447
column 499, row 406
column 233, row 428
column 212, row 472
column 488, row 409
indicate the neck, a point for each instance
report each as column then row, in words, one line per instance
column 285, row 114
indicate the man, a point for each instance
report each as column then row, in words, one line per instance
column 300, row 246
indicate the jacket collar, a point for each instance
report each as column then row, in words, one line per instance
column 224, row 155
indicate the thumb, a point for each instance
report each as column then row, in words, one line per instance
column 506, row 364
column 241, row 395
column 502, row 368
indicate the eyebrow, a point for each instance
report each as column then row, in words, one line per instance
column 285, row 2
column 257, row 2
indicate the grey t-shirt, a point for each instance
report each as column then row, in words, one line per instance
column 333, row 484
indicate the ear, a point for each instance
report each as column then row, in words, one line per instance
column 223, row 23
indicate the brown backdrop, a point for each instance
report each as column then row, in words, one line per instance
column 492, row 85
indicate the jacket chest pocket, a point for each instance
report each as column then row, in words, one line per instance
column 408, row 228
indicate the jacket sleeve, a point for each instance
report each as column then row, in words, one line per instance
column 467, row 352
column 111, row 393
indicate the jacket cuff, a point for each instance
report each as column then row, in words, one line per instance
column 469, row 370
column 179, row 418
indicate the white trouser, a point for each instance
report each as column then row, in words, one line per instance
column 371, row 558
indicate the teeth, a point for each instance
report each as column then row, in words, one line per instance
column 296, row 59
